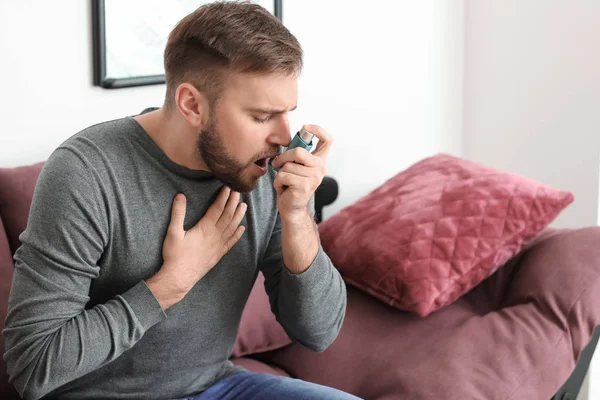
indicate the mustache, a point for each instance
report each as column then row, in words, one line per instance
column 270, row 153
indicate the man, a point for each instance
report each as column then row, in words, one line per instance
column 146, row 233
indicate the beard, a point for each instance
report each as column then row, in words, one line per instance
column 224, row 166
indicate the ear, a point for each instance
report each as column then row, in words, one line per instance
column 192, row 104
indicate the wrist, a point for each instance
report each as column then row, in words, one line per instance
column 299, row 241
column 165, row 291
column 300, row 216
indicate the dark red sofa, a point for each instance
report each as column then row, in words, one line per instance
column 518, row 335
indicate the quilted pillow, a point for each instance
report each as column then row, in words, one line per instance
column 436, row 230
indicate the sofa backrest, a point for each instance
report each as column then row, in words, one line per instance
column 6, row 271
column 16, row 192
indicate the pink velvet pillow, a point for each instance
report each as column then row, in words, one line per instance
column 436, row 230
column 259, row 330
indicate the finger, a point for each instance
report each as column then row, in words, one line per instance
column 285, row 180
column 216, row 208
column 297, row 155
column 325, row 140
column 232, row 203
column 177, row 214
column 298, row 169
column 235, row 221
column 234, row 238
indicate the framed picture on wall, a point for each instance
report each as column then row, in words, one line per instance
column 129, row 38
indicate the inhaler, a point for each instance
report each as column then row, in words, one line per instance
column 303, row 139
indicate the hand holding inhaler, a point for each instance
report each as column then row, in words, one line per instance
column 302, row 139
column 300, row 172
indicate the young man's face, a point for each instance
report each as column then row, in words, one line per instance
column 247, row 127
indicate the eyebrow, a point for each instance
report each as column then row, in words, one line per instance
column 270, row 111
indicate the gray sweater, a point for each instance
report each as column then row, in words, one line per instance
column 82, row 324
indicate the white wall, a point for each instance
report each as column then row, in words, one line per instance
column 383, row 79
column 46, row 92
column 532, row 101
column 532, row 94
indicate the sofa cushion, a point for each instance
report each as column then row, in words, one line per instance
column 526, row 348
column 434, row 231
column 7, row 391
column 259, row 330
column 16, row 192
column 560, row 275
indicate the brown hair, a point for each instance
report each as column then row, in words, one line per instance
column 227, row 37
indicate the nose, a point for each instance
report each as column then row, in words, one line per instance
column 280, row 133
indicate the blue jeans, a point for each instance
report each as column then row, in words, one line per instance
column 248, row 385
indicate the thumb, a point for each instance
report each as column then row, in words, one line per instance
column 178, row 213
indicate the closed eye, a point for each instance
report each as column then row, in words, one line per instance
column 269, row 112
column 262, row 120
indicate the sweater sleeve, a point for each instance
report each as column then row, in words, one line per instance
column 309, row 306
column 51, row 338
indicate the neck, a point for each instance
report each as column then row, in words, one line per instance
column 174, row 136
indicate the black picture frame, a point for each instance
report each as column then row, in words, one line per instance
column 99, row 51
